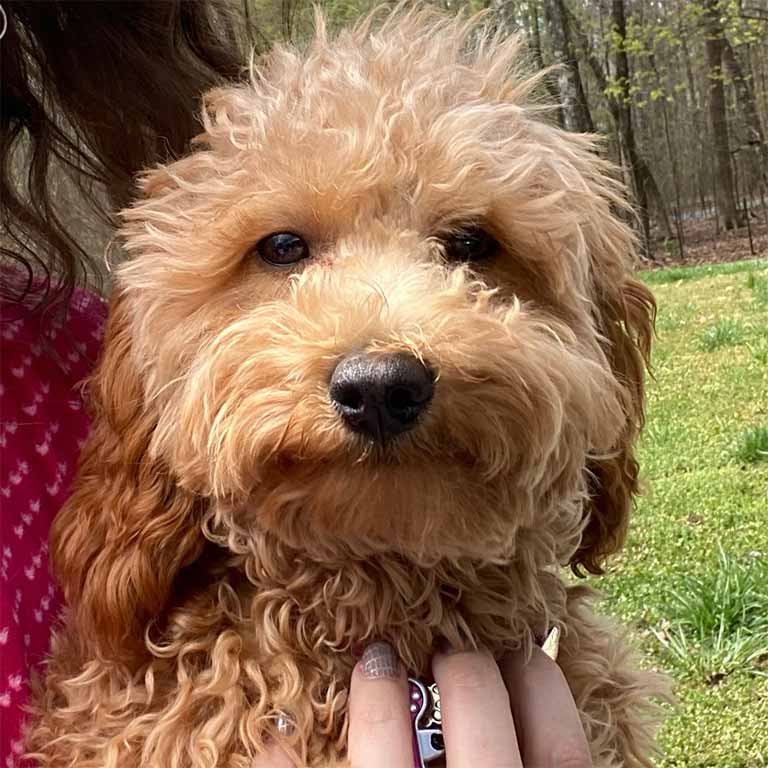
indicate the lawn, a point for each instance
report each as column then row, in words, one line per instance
column 693, row 579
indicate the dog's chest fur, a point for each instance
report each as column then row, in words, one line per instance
column 275, row 636
column 270, row 638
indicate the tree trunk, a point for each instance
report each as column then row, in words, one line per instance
column 538, row 57
column 639, row 171
column 745, row 97
column 576, row 116
column 713, row 44
column 642, row 177
column 672, row 160
column 694, row 107
column 504, row 14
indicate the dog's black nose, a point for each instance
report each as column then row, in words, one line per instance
column 381, row 395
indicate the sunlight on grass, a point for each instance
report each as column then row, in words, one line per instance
column 700, row 489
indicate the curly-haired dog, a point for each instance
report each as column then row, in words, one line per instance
column 374, row 369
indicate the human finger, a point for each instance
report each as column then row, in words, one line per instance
column 379, row 719
column 549, row 729
column 477, row 721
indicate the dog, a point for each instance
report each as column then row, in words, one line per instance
column 374, row 369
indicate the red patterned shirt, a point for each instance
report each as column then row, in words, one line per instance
column 42, row 427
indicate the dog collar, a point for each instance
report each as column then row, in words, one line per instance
column 428, row 743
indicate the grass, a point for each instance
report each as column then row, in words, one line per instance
column 722, row 334
column 693, row 579
column 760, row 351
column 753, row 445
column 759, row 287
column 718, row 621
column 680, row 274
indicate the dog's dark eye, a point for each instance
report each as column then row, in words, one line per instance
column 469, row 244
column 282, row 249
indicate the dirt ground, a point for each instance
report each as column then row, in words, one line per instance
column 702, row 244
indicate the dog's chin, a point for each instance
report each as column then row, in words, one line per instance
column 429, row 509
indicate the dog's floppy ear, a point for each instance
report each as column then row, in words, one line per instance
column 625, row 313
column 127, row 529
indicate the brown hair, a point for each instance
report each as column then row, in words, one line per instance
column 97, row 91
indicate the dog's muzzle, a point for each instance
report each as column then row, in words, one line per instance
column 381, row 396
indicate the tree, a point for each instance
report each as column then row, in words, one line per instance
column 534, row 31
column 747, row 105
column 576, row 115
column 641, row 175
column 714, row 45
column 620, row 106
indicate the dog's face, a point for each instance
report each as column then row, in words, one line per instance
column 384, row 303
column 367, row 306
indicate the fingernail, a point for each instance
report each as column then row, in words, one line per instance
column 551, row 645
column 379, row 661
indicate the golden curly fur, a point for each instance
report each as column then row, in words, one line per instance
column 229, row 541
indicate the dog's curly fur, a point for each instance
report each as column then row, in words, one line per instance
column 229, row 541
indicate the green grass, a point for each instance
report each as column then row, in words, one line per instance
column 759, row 351
column 721, row 334
column 718, row 621
column 759, row 287
column 693, row 578
column 753, row 445
column 679, row 274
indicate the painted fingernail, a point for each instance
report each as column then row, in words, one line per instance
column 379, row 661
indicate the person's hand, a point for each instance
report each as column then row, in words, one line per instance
column 512, row 715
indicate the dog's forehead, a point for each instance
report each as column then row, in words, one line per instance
column 411, row 72
column 350, row 158
column 370, row 124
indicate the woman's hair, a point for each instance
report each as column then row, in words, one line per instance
column 95, row 92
